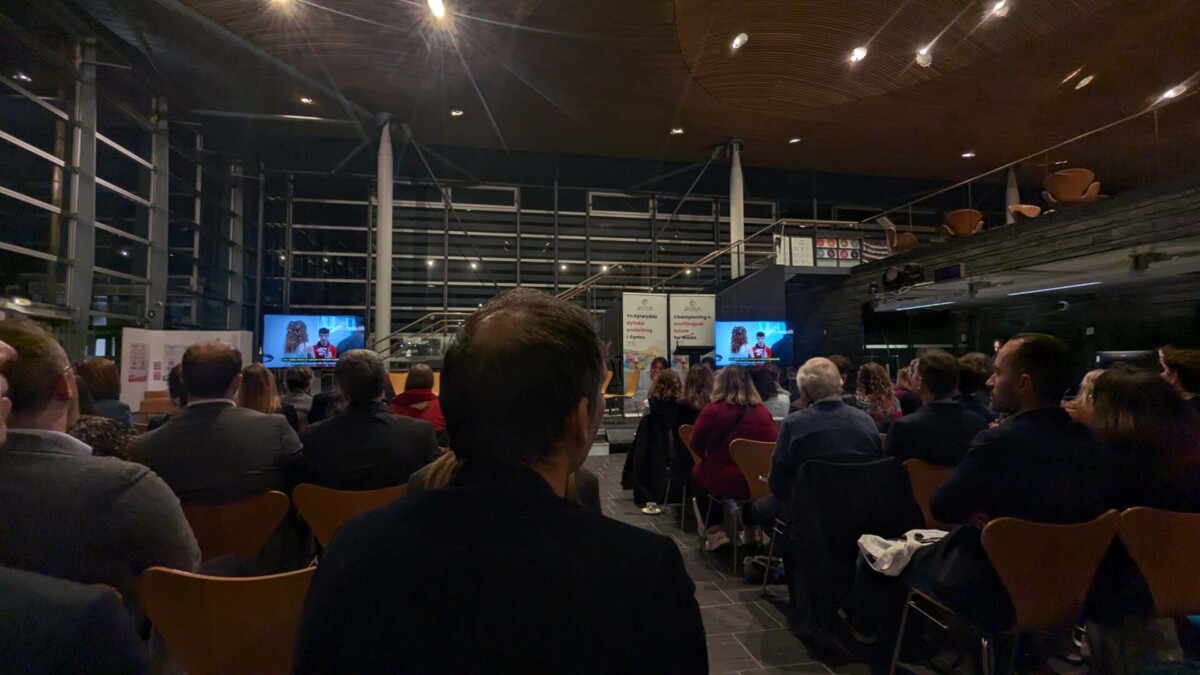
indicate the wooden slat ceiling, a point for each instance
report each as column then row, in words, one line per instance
column 611, row 77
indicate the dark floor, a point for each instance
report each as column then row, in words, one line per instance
column 746, row 634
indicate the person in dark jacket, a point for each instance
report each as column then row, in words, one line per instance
column 974, row 370
column 367, row 447
column 527, row 581
column 104, row 382
column 939, row 431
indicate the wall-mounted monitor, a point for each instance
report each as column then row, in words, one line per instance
column 313, row 340
column 749, row 343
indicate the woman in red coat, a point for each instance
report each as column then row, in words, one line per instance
column 419, row 402
column 736, row 412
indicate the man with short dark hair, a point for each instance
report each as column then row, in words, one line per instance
column 498, row 572
column 66, row 513
column 941, row 429
column 974, row 370
column 366, row 447
column 215, row 451
column 323, row 349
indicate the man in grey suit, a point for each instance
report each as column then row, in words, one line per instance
column 68, row 514
column 214, row 451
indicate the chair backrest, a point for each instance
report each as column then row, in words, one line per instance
column 963, row 222
column 1047, row 569
column 226, row 625
column 1068, row 184
column 632, row 377
column 685, row 435
column 240, row 527
column 1166, row 547
column 325, row 510
column 608, row 376
column 754, row 460
column 926, row 478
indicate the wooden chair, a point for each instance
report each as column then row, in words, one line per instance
column 962, row 223
column 1046, row 570
column 632, row 377
column 1021, row 212
column 1166, row 547
column 240, row 527
column 899, row 241
column 685, row 434
column 1070, row 187
column 754, row 460
column 608, row 376
column 926, row 478
column 226, row 625
column 325, row 510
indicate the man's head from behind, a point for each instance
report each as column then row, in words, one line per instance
column 522, row 383
column 212, row 370
column 40, row 384
column 818, row 379
column 361, row 375
column 843, row 365
column 1181, row 367
column 1032, row 370
column 937, row 375
column 420, row 376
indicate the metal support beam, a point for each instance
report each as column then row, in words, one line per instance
column 82, row 247
column 258, row 262
column 237, row 238
column 197, row 213
column 287, row 245
column 160, row 193
column 385, row 169
column 737, row 216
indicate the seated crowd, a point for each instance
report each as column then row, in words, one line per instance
column 500, row 542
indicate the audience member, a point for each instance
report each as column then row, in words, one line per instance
column 1181, row 367
column 710, row 363
column 1039, row 465
column 845, row 368
column 521, row 394
column 736, row 412
column 825, row 426
column 1080, row 407
column 68, row 514
column 367, row 447
column 215, row 451
column 419, row 402
column 774, row 397
column 942, row 429
column 298, row 380
column 875, row 397
column 658, row 365
column 104, row 381
column 326, row 404
column 909, row 399
column 974, row 370
column 258, row 392
column 176, row 393
column 105, row 436
column 663, row 398
column 697, row 393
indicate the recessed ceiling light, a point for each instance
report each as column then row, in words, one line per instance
column 324, row 259
column 438, row 8
column 1173, row 92
column 924, row 58
column 968, row 154
column 306, row 100
column 22, row 77
column 740, row 40
column 457, row 112
column 124, row 253
column 429, row 263
column 793, row 141
column 1000, row 9
column 604, row 268
column 282, row 257
column 676, row 131
column 473, row 265
column 687, row 271
column 563, row 267
column 1084, row 82
column 1071, row 76
column 858, row 54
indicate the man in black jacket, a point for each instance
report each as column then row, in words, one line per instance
column 941, row 429
column 367, row 447
column 497, row 572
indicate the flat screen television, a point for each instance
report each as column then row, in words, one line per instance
column 748, row 343
column 313, row 340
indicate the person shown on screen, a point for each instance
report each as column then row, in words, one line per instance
column 760, row 350
column 295, row 344
column 739, row 344
column 323, row 349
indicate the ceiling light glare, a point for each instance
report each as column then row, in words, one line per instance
column 1071, row 76
column 282, row 257
column 456, row 113
column 858, row 54
column 473, row 265
column 968, row 154
column 1000, row 9
column 793, row 141
column 324, row 259
column 677, row 131
column 1173, row 92
column 22, row 77
column 924, row 58
column 21, row 302
column 1060, row 162
column 438, row 8
column 306, row 100
column 740, row 40
column 1084, row 82
column 604, row 268
column 687, row 271
column 429, row 263
column 563, row 267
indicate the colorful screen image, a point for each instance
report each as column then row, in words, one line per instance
column 746, row 343
column 309, row 340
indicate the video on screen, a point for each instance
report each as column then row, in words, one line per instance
column 748, row 343
column 309, row 340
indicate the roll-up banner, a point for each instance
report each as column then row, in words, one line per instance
column 645, row 336
column 692, row 320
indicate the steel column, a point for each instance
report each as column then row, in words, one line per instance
column 737, row 217
column 258, row 262
column 160, row 197
column 237, row 237
column 82, row 245
column 385, row 169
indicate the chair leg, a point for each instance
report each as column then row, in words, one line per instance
column 683, row 506
column 667, row 494
column 988, row 654
column 900, row 635
column 770, row 553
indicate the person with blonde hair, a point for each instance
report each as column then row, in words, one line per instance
column 1080, row 407
column 259, row 393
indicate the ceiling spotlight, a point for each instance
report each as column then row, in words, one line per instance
column 1173, row 92
column 858, row 54
column 324, row 259
column 1000, row 9
column 438, row 8
column 21, row 302
column 282, row 257
column 429, row 263
column 457, row 112
column 793, row 141
column 1071, row 76
column 604, row 268
column 124, row 253
column 22, row 77
column 563, row 267
column 306, row 100
column 968, row 154
column 687, row 271
column 473, row 265
column 1084, row 82
column 924, row 58
column 676, row 131
column 740, row 40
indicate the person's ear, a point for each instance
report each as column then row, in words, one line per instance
column 579, row 424
column 1025, row 384
column 64, row 388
